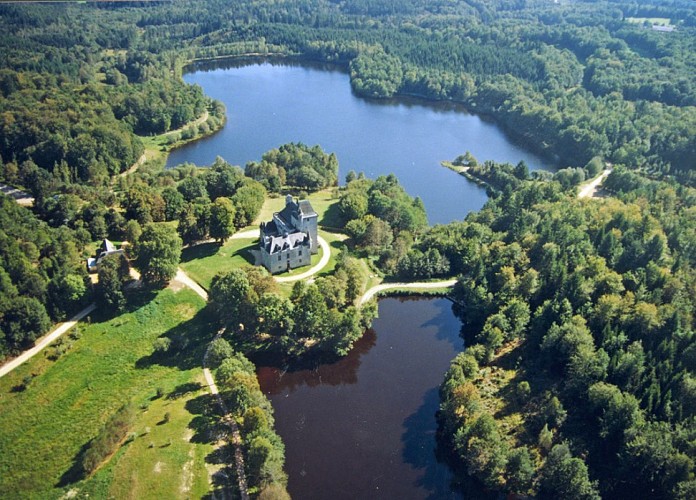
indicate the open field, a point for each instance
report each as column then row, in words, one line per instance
column 107, row 363
column 202, row 262
column 663, row 21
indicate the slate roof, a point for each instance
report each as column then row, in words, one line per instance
column 306, row 208
column 107, row 246
column 292, row 208
column 274, row 244
column 280, row 233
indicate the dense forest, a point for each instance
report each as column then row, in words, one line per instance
column 579, row 375
column 572, row 80
column 579, row 378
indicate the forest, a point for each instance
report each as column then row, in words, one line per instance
column 579, row 377
column 572, row 80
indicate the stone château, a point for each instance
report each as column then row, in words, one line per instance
column 290, row 239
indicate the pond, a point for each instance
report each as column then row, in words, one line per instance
column 273, row 103
column 364, row 427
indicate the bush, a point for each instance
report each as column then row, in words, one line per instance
column 106, row 442
column 162, row 344
column 219, row 351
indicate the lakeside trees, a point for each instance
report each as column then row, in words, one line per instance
column 295, row 165
column 579, row 325
column 572, row 80
column 320, row 317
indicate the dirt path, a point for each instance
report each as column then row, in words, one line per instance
column 143, row 157
column 416, row 286
column 44, row 341
column 184, row 279
column 135, row 165
column 227, row 418
column 194, row 123
column 591, row 190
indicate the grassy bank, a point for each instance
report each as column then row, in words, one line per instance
column 110, row 362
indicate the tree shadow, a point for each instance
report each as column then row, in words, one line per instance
column 332, row 217
column 337, row 245
column 208, row 428
column 313, row 371
column 200, row 251
column 421, row 452
column 184, row 389
column 222, row 455
column 206, row 423
column 247, row 253
column 76, row 471
column 188, row 342
column 224, row 484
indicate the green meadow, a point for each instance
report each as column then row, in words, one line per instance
column 106, row 363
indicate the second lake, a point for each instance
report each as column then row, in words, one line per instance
column 273, row 103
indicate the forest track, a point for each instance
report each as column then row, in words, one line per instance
column 227, row 418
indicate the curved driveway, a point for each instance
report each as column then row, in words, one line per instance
column 326, row 255
column 416, row 286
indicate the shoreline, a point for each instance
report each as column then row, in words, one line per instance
column 255, row 58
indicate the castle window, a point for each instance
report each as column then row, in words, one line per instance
column 300, row 252
column 279, row 257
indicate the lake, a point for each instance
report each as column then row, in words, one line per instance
column 273, row 103
column 364, row 427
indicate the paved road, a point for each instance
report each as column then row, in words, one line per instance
column 44, row 341
column 416, row 286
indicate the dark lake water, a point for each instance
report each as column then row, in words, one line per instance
column 270, row 104
column 364, row 427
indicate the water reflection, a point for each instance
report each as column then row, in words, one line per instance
column 364, row 427
column 272, row 103
column 344, row 371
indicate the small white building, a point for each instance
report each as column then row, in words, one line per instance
column 106, row 248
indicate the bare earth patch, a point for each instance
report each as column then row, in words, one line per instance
column 187, row 475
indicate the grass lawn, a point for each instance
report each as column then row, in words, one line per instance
column 45, row 427
column 323, row 202
column 204, row 261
